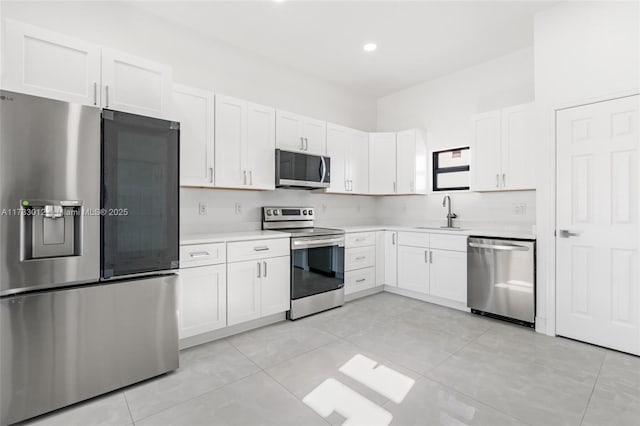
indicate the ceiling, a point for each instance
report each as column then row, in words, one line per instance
column 417, row 40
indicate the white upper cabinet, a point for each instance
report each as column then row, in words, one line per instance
column 382, row 163
column 245, row 144
column 194, row 109
column 349, row 153
column 411, row 163
column 261, row 146
column 231, row 142
column 298, row 133
column 135, row 85
column 43, row 63
column 501, row 150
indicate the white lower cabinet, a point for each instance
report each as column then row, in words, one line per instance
column 448, row 275
column 257, row 288
column 391, row 258
column 413, row 269
column 202, row 299
column 360, row 256
column 358, row 280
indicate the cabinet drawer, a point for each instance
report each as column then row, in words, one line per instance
column 360, row 239
column 448, row 242
column 257, row 249
column 359, row 280
column 358, row 258
column 202, row 255
column 413, row 239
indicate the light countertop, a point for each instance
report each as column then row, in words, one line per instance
column 228, row 237
column 480, row 232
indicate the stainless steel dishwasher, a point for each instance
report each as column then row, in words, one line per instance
column 501, row 278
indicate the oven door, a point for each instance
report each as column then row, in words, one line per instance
column 317, row 265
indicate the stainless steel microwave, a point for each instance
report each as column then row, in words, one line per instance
column 302, row 171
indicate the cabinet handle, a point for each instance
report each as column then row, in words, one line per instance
column 250, row 177
column 361, row 280
column 395, row 186
column 361, row 257
column 426, row 256
column 106, row 96
column 393, row 238
column 350, row 185
column 95, row 93
column 504, row 180
column 411, row 186
column 244, row 181
column 430, row 256
column 199, row 254
column 259, row 266
column 306, row 144
column 261, row 248
column 497, row 180
column 301, row 143
column 211, row 174
column 265, row 269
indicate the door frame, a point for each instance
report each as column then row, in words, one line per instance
column 547, row 207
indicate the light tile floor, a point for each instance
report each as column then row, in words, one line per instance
column 468, row 370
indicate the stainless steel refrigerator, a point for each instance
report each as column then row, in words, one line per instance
column 88, row 250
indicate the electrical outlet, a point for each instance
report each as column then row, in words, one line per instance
column 519, row 209
column 238, row 208
column 202, row 209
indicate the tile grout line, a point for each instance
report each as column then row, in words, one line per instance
column 126, row 401
column 595, row 383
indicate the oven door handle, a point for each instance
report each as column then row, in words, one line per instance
column 320, row 242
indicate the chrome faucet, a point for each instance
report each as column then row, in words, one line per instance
column 450, row 216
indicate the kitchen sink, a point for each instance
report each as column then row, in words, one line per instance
column 440, row 228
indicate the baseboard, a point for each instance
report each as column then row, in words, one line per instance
column 189, row 342
column 363, row 293
column 427, row 298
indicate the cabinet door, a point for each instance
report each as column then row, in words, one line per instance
column 381, row 257
column 406, row 162
column 382, row 163
column 448, row 275
column 289, row 131
column 517, row 149
column 193, row 108
column 337, row 147
column 135, row 85
column 231, row 142
column 315, row 134
column 391, row 258
column 43, row 63
column 486, row 152
column 413, row 269
column 361, row 279
column 358, row 162
column 275, row 291
column 202, row 299
column 261, row 146
column 243, row 291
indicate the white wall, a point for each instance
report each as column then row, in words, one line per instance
column 584, row 51
column 443, row 107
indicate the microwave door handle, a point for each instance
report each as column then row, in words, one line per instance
column 324, row 169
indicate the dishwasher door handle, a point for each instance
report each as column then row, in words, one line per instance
column 506, row 247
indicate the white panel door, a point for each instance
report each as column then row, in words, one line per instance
column 486, row 152
column 391, row 258
column 406, row 162
column 194, row 109
column 43, row 63
column 337, row 150
column 518, row 149
column 243, row 291
column 448, row 275
column 315, row 135
column 202, row 299
column 289, row 131
column 597, row 281
column 261, row 146
column 413, row 269
column 231, row 142
column 135, row 85
column 358, row 162
column 382, row 163
column 275, row 289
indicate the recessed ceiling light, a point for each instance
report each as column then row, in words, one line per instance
column 369, row 47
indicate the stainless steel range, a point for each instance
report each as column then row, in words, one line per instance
column 317, row 259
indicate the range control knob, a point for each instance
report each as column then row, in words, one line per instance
column 268, row 212
column 275, row 213
column 304, row 212
column 310, row 212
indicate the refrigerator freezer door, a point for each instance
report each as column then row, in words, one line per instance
column 63, row 346
column 49, row 150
